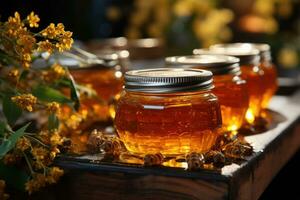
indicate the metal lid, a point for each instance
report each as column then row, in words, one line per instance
column 168, row 80
column 247, row 56
column 217, row 64
column 263, row 48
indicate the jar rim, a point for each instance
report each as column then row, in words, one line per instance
column 168, row 80
column 250, row 56
column 217, row 64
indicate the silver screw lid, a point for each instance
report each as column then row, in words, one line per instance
column 168, row 80
column 263, row 48
column 247, row 56
column 217, row 64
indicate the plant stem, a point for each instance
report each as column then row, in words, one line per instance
column 28, row 163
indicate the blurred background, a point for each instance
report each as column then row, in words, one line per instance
column 181, row 24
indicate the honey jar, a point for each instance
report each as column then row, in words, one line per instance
column 230, row 88
column 167, row 110
column 251, row 72
column 270, row 72
column 102, row 85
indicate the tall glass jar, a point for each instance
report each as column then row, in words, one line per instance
column 251, row 72
column 230, row 88
column 171, row 111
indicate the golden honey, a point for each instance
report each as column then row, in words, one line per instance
column 255, row 85
column 270, row 73
column 230, row 88
column 251, row 72
column 106, row 82
column 168, row 111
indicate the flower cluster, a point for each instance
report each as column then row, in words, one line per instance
column 19, row 43
column 57, row 33
column 25, row 101
column 37, row 90
column 55, row 72
column 40, row 180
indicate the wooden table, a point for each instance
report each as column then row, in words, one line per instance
column 86, row 180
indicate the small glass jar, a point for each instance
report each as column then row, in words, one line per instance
column 230, row 88
column 171, row 111
column 270, row 72
column 251, row 72
column 106, row 80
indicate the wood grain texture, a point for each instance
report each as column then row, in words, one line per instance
column 86, row 180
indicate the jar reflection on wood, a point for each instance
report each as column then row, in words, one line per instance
column 171, row 111
column 251, row 72
column 230, row 88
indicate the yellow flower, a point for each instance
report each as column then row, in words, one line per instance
column 54, row 175
column 33, row 20
column 65, row 41
column 38, row 181
column 26, row 60
column 13, row 75
column 45, row 46
column 53, row 107
column 25, row 101
column 26, row 43
column 14, row 25
column 60, row 29
column 39, row 153
column 10, row 159
column 23, row 144
column 58, row 69
column 56, row 139
column 58, row 33
column 54, row 152
column 50, row 31
column 44, row 137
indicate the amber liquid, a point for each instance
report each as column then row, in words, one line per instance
column 107, row 83
column 169, row 124
column 270, row 83
column 255, row 85
column 233, row 98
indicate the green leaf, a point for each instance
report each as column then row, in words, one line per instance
column 11, row 141
column 74, row 93
column 48, row 94
column 13, row 176
column 53, row 122
column 24, row 74
column 11, row 110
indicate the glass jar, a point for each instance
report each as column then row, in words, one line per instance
column 106, row 81
column 251, row 72
column 230, row 88
column 171, row 111
column 270, row 73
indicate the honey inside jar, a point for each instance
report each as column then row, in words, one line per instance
column 251, row 72
column 270, row 73
column 230, row 88
column 107, row 82
column 171, row 111
column 102, row 83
